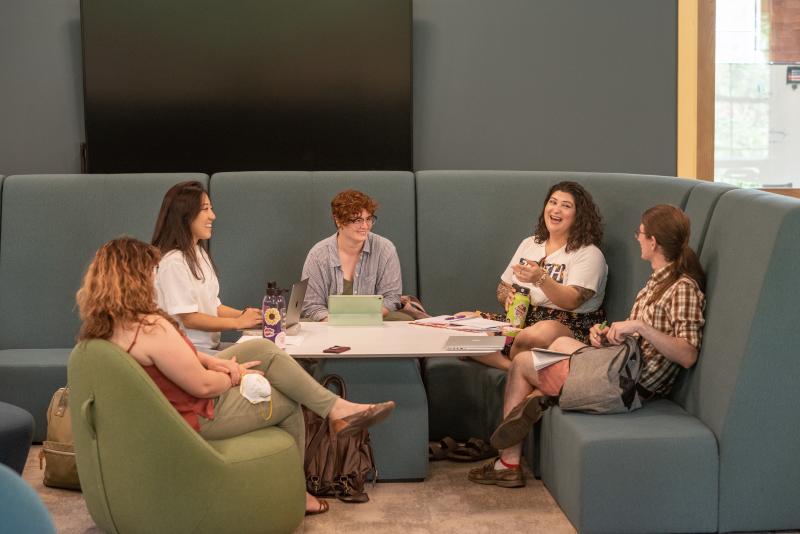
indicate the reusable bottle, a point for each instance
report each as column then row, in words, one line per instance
column 519, row 306
column 272, row 314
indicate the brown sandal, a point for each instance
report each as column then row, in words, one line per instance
column 323, row 507
column 473, row 450
column 438, row 450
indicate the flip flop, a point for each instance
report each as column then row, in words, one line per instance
column 473, row 450
column 323, row 507
column 438, row 450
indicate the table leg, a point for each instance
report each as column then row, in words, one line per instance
column 400, row 443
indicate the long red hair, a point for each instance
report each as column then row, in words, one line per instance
column 118, row 288
column 671, row 228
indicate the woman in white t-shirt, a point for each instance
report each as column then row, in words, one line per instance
column 564, row 269
column 186, row 283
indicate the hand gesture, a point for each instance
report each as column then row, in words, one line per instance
column 250, row 318
column 597, row 335
column 528, row 273
column 617, row 332
column 509, row 297
column 232, row 368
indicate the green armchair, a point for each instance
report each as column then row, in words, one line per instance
column 143, row 469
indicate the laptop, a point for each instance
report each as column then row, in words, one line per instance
column 294, row 306
column 355, row 310
column 484, row 344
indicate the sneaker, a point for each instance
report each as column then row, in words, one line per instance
column 505, row 478
column 519, row 422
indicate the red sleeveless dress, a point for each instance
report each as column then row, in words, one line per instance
column 189, row 406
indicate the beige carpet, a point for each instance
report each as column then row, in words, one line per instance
column 445, row 502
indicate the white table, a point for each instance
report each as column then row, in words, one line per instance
column 393, row 339
column 382, row 364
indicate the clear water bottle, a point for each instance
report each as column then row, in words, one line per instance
column 272, row 310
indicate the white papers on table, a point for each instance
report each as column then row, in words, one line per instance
column 543, row 358
column 291, row 341
column 462, row 322
column 295, row 340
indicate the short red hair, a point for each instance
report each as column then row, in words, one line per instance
column 350, row 203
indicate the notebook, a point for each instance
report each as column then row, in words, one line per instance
column 484, row 344
column 544, row 358
column 355, row 310
column 295, row 306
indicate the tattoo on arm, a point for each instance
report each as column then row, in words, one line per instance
column 583, row 294
column 502, row 292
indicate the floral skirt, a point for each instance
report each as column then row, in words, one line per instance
column 578, row 323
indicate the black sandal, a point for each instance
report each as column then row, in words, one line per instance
column 473, row 450
column 439, row 450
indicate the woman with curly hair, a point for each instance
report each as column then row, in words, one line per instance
column 353, row 261
column 666, row 320
column 564, row 270
column 117, row 303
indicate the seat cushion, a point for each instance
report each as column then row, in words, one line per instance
column 21, row 509
column 16, row 429
column 465, row 398
column 653, row 470
column 28, row 379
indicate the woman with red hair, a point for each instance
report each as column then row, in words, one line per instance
column 117, row 303
column 353, row 261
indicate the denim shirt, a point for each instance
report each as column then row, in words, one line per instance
column 377, row 273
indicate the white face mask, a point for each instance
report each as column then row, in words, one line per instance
column 256, row 389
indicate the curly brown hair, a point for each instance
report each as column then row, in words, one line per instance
column 349, row 204
column 587, row 229
column 118, row 288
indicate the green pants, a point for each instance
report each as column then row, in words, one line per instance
column 291, row 386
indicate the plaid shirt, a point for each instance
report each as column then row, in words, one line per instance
column 678, row 313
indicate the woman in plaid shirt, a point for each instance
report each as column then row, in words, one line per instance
column 666, row 318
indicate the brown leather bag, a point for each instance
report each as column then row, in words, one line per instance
column 337, row 467
column 58, row 451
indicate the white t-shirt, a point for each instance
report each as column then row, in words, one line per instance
column 178, row 291
column 585, row 267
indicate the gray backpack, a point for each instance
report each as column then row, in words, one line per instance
column 603, row 380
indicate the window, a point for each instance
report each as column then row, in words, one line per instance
column 755, row 136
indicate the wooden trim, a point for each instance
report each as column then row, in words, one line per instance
column 706, row 96
column 695, row 121
column 787, row 192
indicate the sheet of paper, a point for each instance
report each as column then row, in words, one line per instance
column 543, row 358
column 291, row 341
column 296, row 340
column 462, row 322
column 480, row 322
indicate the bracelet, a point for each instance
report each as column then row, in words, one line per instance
column 540, row 281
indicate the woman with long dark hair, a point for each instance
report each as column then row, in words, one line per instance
column 117, row 303
column 666, row 319
column 188, row 288
column 562, row 266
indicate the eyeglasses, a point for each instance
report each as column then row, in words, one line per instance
column 358, row 221
column 637, row 233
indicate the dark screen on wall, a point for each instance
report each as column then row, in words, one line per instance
column 231, row 85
